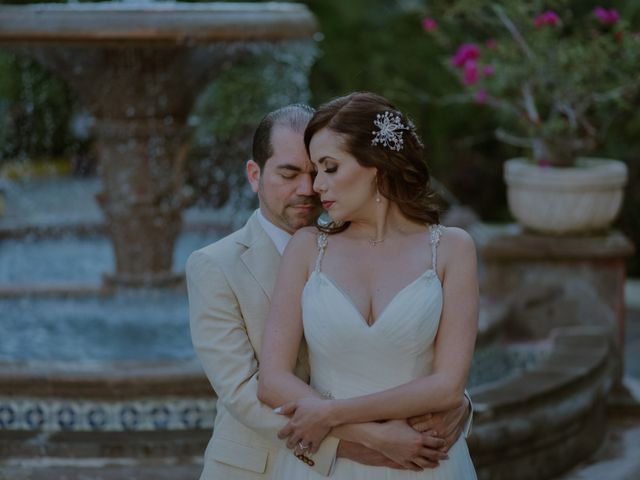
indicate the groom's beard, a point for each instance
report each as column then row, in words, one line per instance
column 301, row 212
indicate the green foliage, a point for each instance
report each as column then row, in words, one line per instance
column 36, row 109
column 380, row 46
column 622, row 143
column 227, row 113
column 560, row 81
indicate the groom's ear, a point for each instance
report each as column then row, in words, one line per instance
column 253, row 174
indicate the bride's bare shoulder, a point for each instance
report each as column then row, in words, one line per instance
column 307, row 234
column 456, row 237
column 304, row 240
column 455, row 243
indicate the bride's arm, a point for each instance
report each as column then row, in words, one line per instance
column 283, row 331
column 453, row 352
column 278, row 384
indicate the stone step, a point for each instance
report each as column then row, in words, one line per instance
column 618, row 457
column 48, row 468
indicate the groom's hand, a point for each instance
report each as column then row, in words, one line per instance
column 447, row 425
column 365, row 456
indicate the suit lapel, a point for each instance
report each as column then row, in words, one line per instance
column 261, row 258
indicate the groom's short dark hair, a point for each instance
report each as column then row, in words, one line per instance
column 295, row 116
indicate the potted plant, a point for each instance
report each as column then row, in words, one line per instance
column 557, row 78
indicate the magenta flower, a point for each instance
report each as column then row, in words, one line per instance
column 481, row 97
column 491, row 43
column 544, row 163
column 465, row 53
column 429, row 24
column 607, row 17
column 547, row 18
column 488, row 70
column 470, row 76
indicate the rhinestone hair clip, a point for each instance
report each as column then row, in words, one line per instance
column 389, row 133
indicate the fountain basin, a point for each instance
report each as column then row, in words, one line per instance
column 157, row 22
column 138, row 69
column 540, row 405
column 105, row 397
column 125, row 408
column 117, row 409
column 533, row 419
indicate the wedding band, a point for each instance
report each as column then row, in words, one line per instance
column 302, row 446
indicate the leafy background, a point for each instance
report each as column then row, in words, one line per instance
column 375, row 45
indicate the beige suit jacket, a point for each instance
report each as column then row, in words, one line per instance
column 230, row 284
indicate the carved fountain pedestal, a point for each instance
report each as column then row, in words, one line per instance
column 138, row 70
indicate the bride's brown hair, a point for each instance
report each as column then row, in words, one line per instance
column 403, row 176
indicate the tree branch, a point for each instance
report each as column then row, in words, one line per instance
column 517, row 36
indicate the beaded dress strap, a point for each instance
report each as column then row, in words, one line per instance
column 322, row 246
column 436, row 233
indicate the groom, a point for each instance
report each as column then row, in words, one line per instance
column 230, row 284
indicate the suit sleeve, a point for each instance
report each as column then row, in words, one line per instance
column 466, row 431
column 222, row 344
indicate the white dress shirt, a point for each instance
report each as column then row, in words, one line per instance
column 278, row 236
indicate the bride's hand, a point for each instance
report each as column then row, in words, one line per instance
column 396, row 440
column 309, row 423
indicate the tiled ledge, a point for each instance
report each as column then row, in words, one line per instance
column 49, row 415
column 122, row 396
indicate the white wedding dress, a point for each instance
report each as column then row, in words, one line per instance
column 349, row 358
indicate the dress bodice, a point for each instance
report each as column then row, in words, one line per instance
column 347, row 356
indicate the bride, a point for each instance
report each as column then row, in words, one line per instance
column 386, row 298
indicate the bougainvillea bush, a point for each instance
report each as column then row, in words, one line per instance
column 557, row 72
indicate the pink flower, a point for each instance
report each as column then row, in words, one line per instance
column 544, row 163
column 488, row 70
column 491, row 43
column 607, row 17
column 481, row 97
column 429, row 24
column 547, row 18
column 465, row 53
column 470, row 73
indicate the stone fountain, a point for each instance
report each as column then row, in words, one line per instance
column 138, row 68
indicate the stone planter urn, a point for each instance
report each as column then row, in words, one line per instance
column 565, row 201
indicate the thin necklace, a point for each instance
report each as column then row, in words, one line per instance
column 373, row 242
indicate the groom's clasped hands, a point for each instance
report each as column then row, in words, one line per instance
column 309, row 422
column 414, row 444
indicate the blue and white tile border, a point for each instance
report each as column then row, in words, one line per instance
column 59, row 414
